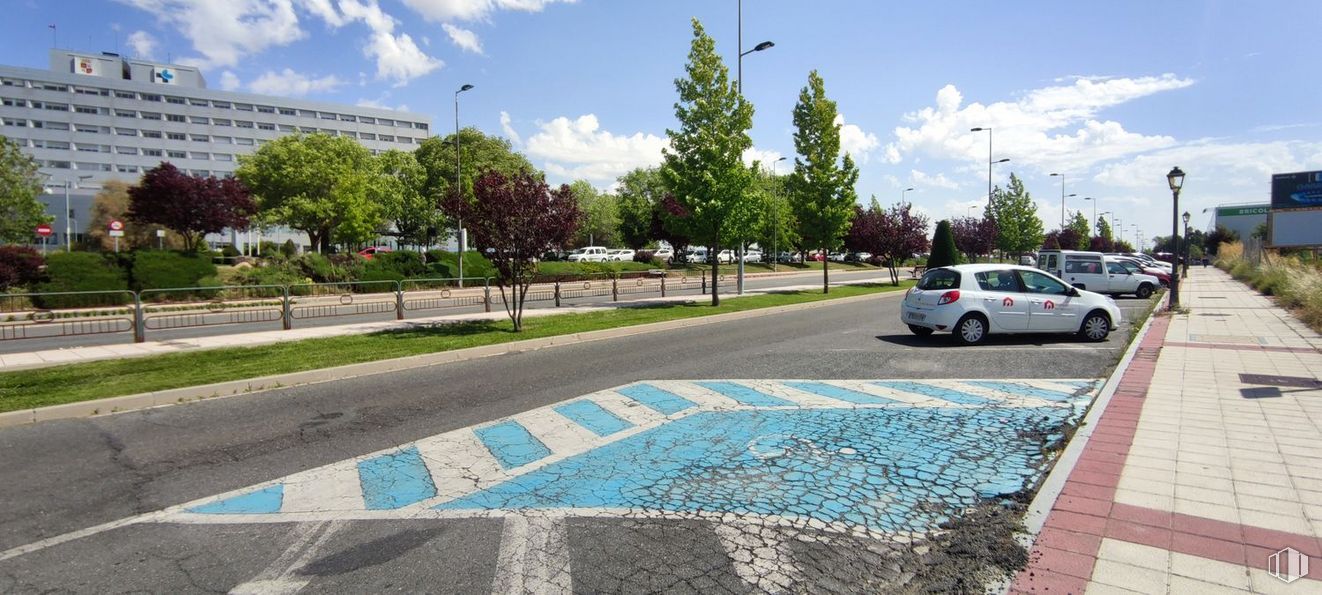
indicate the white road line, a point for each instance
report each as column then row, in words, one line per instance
column 333, row 487
column 866, row 387
column 533, row 558
column 556, row 431
column 459, row 464
column 799, row 397
column 705, row 398
column 280, row 577
column 81, row 533
column 627, row 409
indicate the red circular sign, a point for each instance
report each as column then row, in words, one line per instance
column 116, row 225
column 44, row 230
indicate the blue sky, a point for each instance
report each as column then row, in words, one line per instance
column 1113, row 94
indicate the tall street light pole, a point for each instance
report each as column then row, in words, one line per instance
column 1062, row 199
column 1093, row 224
column 1185, row 254
column 989, row 159
column 775, row 218
column 459, row 184
column 739, row 87
column 1175, row 179
column 904, row 192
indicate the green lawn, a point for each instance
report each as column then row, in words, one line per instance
column 96, row 380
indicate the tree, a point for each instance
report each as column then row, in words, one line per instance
column 325, row 186
column 822, row 184
column 191, row 206
column 1069, row 238
column 1122, row 246
column 1100, row 244
column 20, row 184
column 777, row 229
column 668, row 225
column 864, row 229
column 112, row 204
column 640, row 190
column 1079, row 225
column 944, row 253
column 478, row 154
column 515, row 220
column 1018, row 229
column 1260, row 231
column 974, row 236
column 417, row 217
column 1104, row 229
column 599, row 220
column 1221, row 235
column 704, row 165
column 901, row 235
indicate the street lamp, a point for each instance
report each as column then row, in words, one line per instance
column 1185, row 216
column 1176, row 181
column 739, row 86
column 1093, row 224
column 903, row 192
column 68, row 212
column 989, row 159
column 458, row 184
column 1062, row 199
column 775, row 219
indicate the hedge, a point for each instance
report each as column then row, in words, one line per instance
column 156, row 269
column 82, row 271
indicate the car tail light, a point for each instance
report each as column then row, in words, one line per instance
column 948, row 297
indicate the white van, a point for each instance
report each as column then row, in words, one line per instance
column 1091, row 271
column 588, row 254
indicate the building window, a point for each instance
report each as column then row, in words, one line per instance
column 387, row 138
column 420, row 125
column 385, row 122
column 288, row 112
column 53, row 87
column 151, row 134
column 58, row 164
column 243, row 124
column 224, row 157
column 176, row 136
column 367, row 136
column 200, row 172
column 265, row 109
column 126, row 150
column 348, row 118
column 125, row 132
column 242, row 141
column 55, row 107
column 11, row 82
column 125, row 95
column 88, row 91
column 308, row 129
column 50, row 144
column 220, row 104
column 127, row 169
column 197, row 155
column 86, row 109
column 265, row 126
column 174, row 117
column 56, row 126
column 326, row 116
column 176, row 154
column 222, row 140
column 198, row 102
column 11, row 102
column 125, row 113
column 243, row 107
column 151, row 152
column 287, row 128
column 88, row 148
column 93, row 166
column 349, row 134
column 150, row 116
column 174, row 100
column 200, row 119
column 147, row 97
column 367, row 120
column 220, row 122
column 13, row 122
column 90, row 129
column 201, row 138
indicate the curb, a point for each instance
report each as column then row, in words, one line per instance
column 127, row 403
column 1049, row 491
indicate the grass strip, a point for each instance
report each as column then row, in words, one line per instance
column 97, row 380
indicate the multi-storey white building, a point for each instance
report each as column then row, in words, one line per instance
column 92, row 118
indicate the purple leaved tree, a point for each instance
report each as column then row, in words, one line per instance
column 974, row 236
column 193, row 206
column 902, row 234
column 514, row 220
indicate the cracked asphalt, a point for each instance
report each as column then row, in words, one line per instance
column 67, row 476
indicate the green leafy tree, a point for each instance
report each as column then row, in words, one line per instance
column 1079, row 225
column 478, row 154
column 1104, row 229
column 328, row 187
column 418, row 219
column 20, row 184
column 822, row 185
column 778, row 229
column 704, row 165
column 1018, row 229
column 640, row 191
column 944, row 253
column 111, row 203
column 599, row 220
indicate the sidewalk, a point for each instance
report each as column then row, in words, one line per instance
column 54, row 357
column 1195, row 473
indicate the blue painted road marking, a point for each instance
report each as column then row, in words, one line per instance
column 745, row 395
column 936, row 392
column 395, row 480
column 1021, row 389
column 843, row 394
column 262, row 501
column 661, row 401
column 593, row 417
column 512, row 444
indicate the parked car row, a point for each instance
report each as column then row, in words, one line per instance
column 1097, row 272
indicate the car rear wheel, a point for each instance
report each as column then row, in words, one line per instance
column 921, row 331
column 1144, row 291
column 1096, row 327
column 971, row 329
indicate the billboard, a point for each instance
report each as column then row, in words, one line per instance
column 1297, row 190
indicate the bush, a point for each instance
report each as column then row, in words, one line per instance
column 405, row 264
column 230, row 252
column 338, row 268
column 644, row 256
column 19, row 267
column 271, row 274
column 155, row 269
column 289, row 249
column 943, row 247
column 82, row 271
column 443, row 263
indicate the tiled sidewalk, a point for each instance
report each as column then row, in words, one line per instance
column 1194, row 475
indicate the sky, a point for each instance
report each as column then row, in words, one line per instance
column 1110, row 94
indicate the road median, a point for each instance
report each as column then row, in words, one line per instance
column 98, row 388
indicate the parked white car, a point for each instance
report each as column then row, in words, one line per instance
column 974, row 300
column 753, row 256
column 620, row 255
column 1096, row 272
column 588, row 254
column 663, row 254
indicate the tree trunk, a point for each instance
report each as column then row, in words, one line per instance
column 826, row 277
column 715, row 253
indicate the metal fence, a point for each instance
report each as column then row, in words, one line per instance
column 271, row 307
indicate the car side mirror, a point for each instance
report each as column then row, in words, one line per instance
column 1073, row 292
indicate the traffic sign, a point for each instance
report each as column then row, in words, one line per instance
column 44, row 230
column 116, row 225
column 116, row 233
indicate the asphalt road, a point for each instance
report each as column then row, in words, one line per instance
column 66, row 476
column 693, row 287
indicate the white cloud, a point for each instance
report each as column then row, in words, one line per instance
column 854, row 141
column 1053, row 128
column 229, row 81
column 1238, row 166
column 379, row 103
column 142, row 44
column 764, row 156
column 919, row 179
column 579, row 148
column 224, row 32
column 473, row 10
column 464, row 38
column 398, row 58
column 292, row 84
column 509, row 130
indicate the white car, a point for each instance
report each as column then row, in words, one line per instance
column 974, row 300
column 620, row 255
column 753, row 256
column 588, row 254
column 663, row 254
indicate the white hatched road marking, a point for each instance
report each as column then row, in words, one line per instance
column 280, row 576
column 627, row 409
column 533, row 558
column 705, row 398
column 555, row 431
column 799, row 397
column 333, row 487
column 459, row 463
